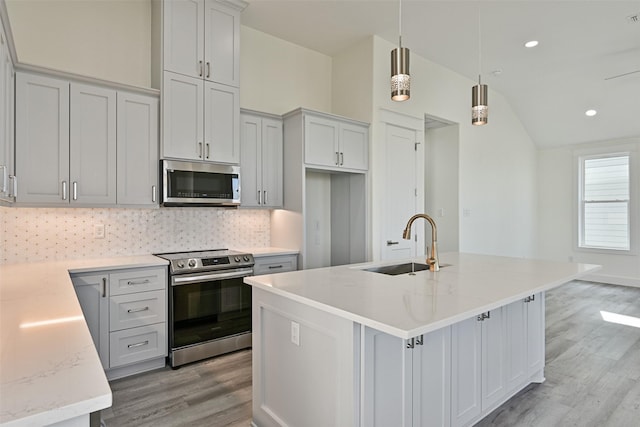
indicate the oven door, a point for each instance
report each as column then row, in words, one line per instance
column 209, row 306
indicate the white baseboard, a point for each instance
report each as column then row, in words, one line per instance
column 613, row 280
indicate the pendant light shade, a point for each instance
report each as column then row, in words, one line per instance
column 479, row 104
column 400, row 78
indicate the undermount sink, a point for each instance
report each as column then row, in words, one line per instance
column 394, row 270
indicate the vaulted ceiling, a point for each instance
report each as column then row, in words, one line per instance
column 588, row 55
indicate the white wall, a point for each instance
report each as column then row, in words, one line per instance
column 497, row 169
column 106, row 39
column 558, row 216
column 277, row 76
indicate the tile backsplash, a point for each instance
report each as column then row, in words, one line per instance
column 49, row 234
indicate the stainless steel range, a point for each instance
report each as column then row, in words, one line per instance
column 209, row 305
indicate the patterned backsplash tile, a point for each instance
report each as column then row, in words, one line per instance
column 49, row 234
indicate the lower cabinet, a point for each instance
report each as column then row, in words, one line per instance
column 269, row 264
column 456, row 375
column 126, row 311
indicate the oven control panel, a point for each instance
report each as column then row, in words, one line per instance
column 184, row 265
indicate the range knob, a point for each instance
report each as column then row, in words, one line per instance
column 246, row 258
column 192, row 263
column 236, row 259
column 180, row 264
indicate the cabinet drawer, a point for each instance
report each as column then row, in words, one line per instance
column 137, row 344
column 138, row 280
column 139, row 309
column 275, row 264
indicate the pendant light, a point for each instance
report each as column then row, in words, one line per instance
column 400, row 78
column 479, row 92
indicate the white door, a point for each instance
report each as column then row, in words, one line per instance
column 42, row 139
column 93, row 296
column 184, row 37
column 183, row 127
column 137, row 149
column 92, row 157
column 221, row 123
column 221, row 44
column 354, row 146
column 400, row 192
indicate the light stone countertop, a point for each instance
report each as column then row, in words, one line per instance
column 407, row 306
column 50, row 372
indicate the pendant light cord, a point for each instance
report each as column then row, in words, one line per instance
column 479, row 44
column 400, row 24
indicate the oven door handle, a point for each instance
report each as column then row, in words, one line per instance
column 183, row 280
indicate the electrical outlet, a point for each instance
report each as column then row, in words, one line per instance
column 295, row 333
column 98, row 231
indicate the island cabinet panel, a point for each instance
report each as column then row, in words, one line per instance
column 303, row 365
column 535, row 336
column 406, row 382
column 466, row 364
column 494, row 355
column 516, row 313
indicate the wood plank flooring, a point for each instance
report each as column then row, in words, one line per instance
column 592, row 375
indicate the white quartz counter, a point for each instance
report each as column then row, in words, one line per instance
column 410, row 305
column 49, row 367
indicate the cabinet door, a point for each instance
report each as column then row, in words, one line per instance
column 250, row 164
column 387, row 380
column 222, row 123
column 321, row 141
column 432, row 380
column 183, row 31
column 93, row 297
column 92, row 158
column 517, row 344
column 494, row 351
column 272, row 166
column 6, row 122
column 183, row 127
column 42, row 139
column 354, row 146
column 137, row 149
column 535, row 334
column 465, row 371
column 221, row 44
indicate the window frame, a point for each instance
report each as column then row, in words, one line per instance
column 629, row 150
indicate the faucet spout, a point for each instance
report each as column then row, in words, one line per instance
column 432, row 260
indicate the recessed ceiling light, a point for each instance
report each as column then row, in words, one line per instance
column 591, row 113
column 532, row 43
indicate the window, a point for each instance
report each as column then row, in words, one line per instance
column 605, row 202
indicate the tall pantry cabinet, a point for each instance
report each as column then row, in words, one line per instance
column 7, row 77
column 200, row 82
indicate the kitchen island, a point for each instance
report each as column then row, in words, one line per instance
column 349, row 347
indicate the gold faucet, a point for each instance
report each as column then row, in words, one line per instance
column 432, row 260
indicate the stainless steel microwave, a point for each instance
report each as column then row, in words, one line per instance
column 199, row 184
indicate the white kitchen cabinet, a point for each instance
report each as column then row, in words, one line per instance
column 406, row 382
column 269, row 264
column 494, row 355
column 201, row 120
column 517, row 349
column 202, row 39
column 7, row 177
column 42, row 139
column 92, row 292
column 126, row 311
column 335, row 142
column 535, row 334
column 466, row 371
column 137, row 150
column 92, row 142
column 261, row 158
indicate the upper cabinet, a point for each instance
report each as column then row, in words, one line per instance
column 335, row 142
column 200, row 89
column 67, row 134
column 261, row 150
column 202, row 40
column 7, row 178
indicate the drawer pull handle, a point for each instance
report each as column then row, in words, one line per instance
column 139, row 282
column 138, row 344
column 273, row 267
column 136, row 310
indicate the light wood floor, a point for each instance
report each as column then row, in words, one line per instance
column 592, row 375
